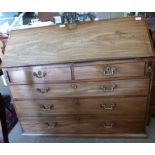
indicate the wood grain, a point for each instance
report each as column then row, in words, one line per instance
column 54, row 76
column 122, row 70
column 123, row 106
column 81, row 89
column 31, row 74
column 79, row 71
column 82, row 125
column 102, row 40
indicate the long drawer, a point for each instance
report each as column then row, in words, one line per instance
column 99, row 106
column 81, row 89
column 111, row 70
column 39, row 74
column 82, row 125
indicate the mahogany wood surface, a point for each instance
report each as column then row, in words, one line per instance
column 98, row 106
column 85, row 127
column 82, row 125
column 101, row 40
column 94, row 80
column 47, row 74
column 122, row 70
column 80, row 89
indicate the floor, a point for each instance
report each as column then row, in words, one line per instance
column 16, row 137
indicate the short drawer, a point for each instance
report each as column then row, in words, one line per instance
column 81, row 89
column 104, row 71
column 82, row 125
column 39, row 74
column 99, row 106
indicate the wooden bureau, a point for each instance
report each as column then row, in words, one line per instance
column 151, row 26
column 91, row 81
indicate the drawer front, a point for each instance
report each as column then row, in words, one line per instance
column 100, row 106
column 82, row 125
column 81, row 89
column 39, row 74
column 103, row 71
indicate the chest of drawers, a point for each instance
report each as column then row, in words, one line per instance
column 90, row 81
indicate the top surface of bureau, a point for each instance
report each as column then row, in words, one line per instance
column 101, row 40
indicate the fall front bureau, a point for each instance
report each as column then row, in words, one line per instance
column 90, row 81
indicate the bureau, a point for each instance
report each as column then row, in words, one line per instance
column 151, row 24
column 92, row 81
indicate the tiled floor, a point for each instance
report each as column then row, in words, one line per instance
column 15, row 137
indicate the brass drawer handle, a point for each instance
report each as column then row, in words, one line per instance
column 74, row 86
column 51, row 125
column 51, row 107
column 106, row 89
column 108, row 70
column 109, row 125
column 43, row 90
column 39, row 74
column 105, row 107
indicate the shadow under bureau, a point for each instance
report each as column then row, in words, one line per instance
column 90, row 81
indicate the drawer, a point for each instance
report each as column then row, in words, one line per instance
column 82, row 125
column 99, row 106
column 104, row 71
column 81, row 89
column 39, row 74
